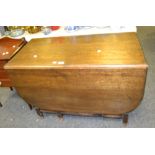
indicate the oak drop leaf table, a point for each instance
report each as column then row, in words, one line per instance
column 101, row 74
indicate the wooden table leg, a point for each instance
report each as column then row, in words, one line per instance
column 30, row 106
column 60, row 115
column 40, row 113
column 125, row 118
column 1, row 104
column 11, row 88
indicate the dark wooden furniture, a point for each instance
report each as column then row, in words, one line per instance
column 8, row 48
column 90, row 75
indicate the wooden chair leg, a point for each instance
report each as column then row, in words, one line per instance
column 11, row 88
column 1, row 104
column 125, row 118
column 39, row 113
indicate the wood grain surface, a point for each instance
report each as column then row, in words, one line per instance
column 101, row 74
column 8, row 48
column 80, row 51
column 106, row 91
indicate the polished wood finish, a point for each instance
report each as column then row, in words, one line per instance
column 80, row 52
column 8, row 48
column 95, row 74
column 107, row 91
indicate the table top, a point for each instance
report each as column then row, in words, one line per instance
column 9, row 46
column 102, row 50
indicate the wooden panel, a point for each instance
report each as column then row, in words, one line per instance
column 109, row 91
column 79, row 78
column 80, row 51
column 3, row 74
column 80, row 101
column 5, row 83
column 9, row 46
column 2, row 63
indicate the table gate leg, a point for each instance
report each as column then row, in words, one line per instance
column 40, row 113
column 125, row 118
column 1, row 104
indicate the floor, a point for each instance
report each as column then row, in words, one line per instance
column 16, row 114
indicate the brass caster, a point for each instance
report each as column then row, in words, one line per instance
column 125, row 118
column 39, row 113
